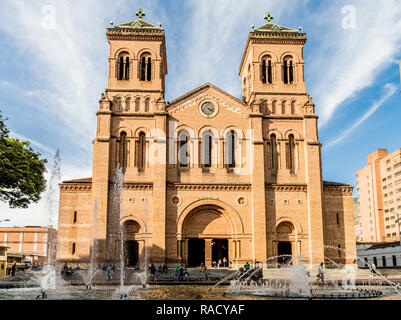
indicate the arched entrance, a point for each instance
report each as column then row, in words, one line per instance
column 284, row 241
column 207, row 232
column 130, row 231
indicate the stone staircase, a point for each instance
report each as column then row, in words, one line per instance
column 137, row 277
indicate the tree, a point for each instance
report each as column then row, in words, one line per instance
column 21, row 171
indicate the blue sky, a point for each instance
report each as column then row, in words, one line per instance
column 53, row 68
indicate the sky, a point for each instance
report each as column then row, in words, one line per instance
column 54, row 59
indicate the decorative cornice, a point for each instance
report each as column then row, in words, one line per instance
column 103, row 112
column 347, row 190
column 311, row 116
column 103, row 139
column 281, row 93
column 161, row 113
column 312, row 142
column 283, row 117
column 287, row 187
column 134, row 90
column 132, row 114
column 138, row 186
column 256, row 115
column 209, row 187
column 76, row 187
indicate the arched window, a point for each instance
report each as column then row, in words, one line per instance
column 122, row 159
column 231, row 148
column 273, row 152
column 183, row 148
column 207, row 140
column 288, row 70
column 149, row 70
column 117, row 104
column 293, row 107
column 274, row 107
column 283, row 109
column 123, row 67
column 126, row 75
column 127, row 104
column 145, row 68
column 141, row 152
column 290, row 146
column 267, row 70
column 147, row 104
column 137, row 104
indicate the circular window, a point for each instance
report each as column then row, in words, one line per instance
column 176, row 201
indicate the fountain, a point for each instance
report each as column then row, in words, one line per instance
column 293, row 282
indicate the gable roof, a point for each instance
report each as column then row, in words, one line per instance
column 137, row 24
column 198, row 90
column 271, row 27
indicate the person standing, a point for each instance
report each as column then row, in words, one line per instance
column 320, row 275
column 374, row 268
column 109, row 273
column 224, row 262
column 13, row 268
column 181, row 273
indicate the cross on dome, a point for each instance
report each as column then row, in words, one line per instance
column 140, row 13
column 268, row 17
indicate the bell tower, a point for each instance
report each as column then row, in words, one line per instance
column 129, row 120
column 272, row 61
column 138, row 59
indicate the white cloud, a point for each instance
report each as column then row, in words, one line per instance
column 214, row 39
column 32, row 141
column 349, row 60
column 391, row 89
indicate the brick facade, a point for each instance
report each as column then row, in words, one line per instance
column 243, row 210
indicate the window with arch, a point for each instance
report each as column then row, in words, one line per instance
column 137, row 104
column 123, row 66
column 273, row 152
column 207, row 141
column 122, row 158
column 267, row 69
column 141, row 151
column 146, row 67
column 290, row 146
column 147, row 104
column 231, row 149
column 293, row 107
column 183, row 148
column 127, row 104
column 288, row 70
column 283, row 107
column 274, row 107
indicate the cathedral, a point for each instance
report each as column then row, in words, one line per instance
column 207, row 176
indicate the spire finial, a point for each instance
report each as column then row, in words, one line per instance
column 140, row 13
column 268, row 16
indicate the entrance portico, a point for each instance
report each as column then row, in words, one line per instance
column 208, row 236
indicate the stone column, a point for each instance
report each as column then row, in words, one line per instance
column 313, row 171
column 258, row 204
column 100, row 182
column 208, row 253
column 159, row 164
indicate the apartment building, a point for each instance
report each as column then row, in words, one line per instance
column 379, row 192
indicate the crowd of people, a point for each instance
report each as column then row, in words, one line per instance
column 221, row 263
